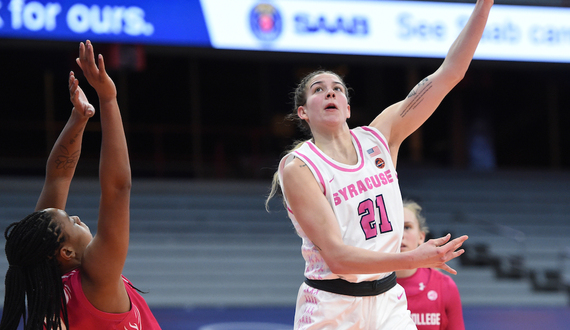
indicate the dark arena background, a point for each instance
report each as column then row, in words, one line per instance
column 204, row 109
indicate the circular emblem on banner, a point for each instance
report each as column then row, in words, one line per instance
column 265, row 22
column 380, row 163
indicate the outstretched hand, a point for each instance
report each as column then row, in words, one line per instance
column 96, row 74
column 435, row 253
column 78, row 98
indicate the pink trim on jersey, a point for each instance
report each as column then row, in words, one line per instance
column 323, row 157
column 316, row 170
column 368, row 129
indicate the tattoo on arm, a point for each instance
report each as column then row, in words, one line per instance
column 72, row 140
column 417, row 95
column 65, row 160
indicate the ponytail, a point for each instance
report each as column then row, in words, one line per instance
column 275, row 182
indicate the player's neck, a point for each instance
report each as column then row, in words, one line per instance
column 338, row 147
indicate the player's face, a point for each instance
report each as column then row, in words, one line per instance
column 326, row 101
column 413, row 236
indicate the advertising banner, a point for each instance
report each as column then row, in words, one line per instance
column 172, row 22
column 386, row 28
column 355, row 27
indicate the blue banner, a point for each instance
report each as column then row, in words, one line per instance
column 356, row 27
column 172, row 22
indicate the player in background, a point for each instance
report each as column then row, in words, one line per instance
column 70, row 279
column 433, row 297
column 341, row 192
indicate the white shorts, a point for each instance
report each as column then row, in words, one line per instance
column 322, row 310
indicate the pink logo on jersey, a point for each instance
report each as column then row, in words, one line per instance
column 432, row 295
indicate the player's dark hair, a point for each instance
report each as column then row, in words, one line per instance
column 299, row 96
column 34, row 275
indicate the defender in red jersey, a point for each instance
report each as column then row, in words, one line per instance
column 433, row 297
column 70, row 279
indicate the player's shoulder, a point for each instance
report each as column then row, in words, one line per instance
column 365, row 131
column 372, row 134
column 295, row 167
column 294, row 161
column 292, row 157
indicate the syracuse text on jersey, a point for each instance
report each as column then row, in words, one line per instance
column 360, row 186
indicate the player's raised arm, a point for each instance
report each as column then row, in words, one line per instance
column 65, row 153
column 105, row 256
column 401, row 119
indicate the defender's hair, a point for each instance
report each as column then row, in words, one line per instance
column 417, row 210
column 33, row 273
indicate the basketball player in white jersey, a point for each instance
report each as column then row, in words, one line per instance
column 342, row 194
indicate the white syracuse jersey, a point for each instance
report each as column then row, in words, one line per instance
column 365, row 198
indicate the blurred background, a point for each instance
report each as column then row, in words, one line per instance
column 204, row 88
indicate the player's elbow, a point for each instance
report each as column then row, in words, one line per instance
column 338, row 265
column 457, row 76
column 124, row 185
column 453, row 76
column 450, row 75
column 338, row 268
column 118, row 187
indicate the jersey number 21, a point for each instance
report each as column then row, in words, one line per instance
column 367, row 211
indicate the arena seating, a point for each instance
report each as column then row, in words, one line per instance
column 203, row 243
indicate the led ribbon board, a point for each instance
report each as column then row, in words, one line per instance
column 356, row 27
column 172, row 22
column 386, row 28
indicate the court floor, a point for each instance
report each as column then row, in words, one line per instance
column 281, row 318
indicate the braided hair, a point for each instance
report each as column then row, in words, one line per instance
column 34, row 273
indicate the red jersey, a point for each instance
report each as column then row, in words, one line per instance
column 433, row 300
column 82, row 315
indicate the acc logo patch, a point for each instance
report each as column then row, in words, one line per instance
column 380, row 163
column 265, row 22
column 432, row 295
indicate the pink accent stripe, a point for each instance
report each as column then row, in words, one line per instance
column 368, row 129
column 316, row 170
column 323, row 157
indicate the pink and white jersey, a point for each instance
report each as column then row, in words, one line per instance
column 365, row 198
column 83, row 315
